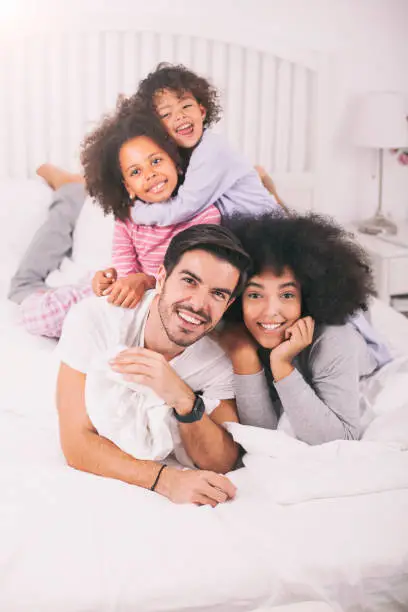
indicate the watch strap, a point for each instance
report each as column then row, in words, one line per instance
column 196, row 412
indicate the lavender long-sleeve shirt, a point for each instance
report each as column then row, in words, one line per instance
column 216, row 174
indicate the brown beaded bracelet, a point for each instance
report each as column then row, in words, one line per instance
column 152, row 488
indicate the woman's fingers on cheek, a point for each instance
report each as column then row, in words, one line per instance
column 288, row 332
column 310, row 323
column 309, row 328
column 301, row 331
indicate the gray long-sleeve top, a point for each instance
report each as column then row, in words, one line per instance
column 321, row 396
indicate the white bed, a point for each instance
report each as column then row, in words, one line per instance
column 325, row 525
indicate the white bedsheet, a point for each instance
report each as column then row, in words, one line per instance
column 324, row 524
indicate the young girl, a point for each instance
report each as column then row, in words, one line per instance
column 296, row 356
column 215, row 174
column 139, row 162
column 127, row 156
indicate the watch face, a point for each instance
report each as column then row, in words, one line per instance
column 196, row 413
column 198, row 408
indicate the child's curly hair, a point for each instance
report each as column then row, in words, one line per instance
column 180, row 79
column 333, row 271
column 100, row 154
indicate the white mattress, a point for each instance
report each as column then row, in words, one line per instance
column 72, row 541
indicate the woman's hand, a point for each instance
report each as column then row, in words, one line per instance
column 297, row 338
column 240, row 347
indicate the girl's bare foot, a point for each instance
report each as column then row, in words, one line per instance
column 270, row 186
column 56, row 177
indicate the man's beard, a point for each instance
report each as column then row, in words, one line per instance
column 165, row 321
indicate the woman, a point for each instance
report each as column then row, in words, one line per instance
column 297, row 355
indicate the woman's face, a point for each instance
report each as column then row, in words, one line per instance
column 148, row 172
column 270, row 305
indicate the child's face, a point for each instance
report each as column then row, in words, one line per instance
column 148, row 172
column 182, row 116
column 271, row 304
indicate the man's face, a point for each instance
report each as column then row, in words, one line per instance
column 195, row 296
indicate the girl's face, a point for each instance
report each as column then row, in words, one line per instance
column 148, row 172
column 270, row 305
column 181, row 115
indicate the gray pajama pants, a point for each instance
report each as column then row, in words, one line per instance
column 50, row 244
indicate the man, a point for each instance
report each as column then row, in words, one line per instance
column 204, row 268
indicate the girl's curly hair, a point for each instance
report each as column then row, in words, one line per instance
column 100, row 154
column 333, row 271
column 180, row 79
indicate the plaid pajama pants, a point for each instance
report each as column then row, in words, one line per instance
column 44, row 311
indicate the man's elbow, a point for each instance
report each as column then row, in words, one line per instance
column 71, row 456
column 223, row 463
column 74, row 453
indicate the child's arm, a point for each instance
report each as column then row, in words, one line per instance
column 130, row 282
column 124, row 256
column 212, row 170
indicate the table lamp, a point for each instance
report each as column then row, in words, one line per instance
column 380, row 123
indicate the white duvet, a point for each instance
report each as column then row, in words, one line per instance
column 323, row 524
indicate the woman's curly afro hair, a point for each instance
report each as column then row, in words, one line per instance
column 180, row 79
column 333, row 271
column 100, row 154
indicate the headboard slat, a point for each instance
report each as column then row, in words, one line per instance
column 56, row 86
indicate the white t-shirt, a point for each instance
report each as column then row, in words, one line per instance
column 94, row 327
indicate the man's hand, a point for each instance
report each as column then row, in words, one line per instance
column 128, row 291
column 198, row 487
column 149, row 368
column 297, row 338
column 102, row 280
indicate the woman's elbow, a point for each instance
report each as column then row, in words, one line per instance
column 344, row 431
column 341, row 431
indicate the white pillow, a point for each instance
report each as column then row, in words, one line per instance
column 392, row 326
column 390, row 428
column 387, row 394
column 92, row 244
column 24, row 207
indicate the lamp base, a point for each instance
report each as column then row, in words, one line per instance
column 378, row 225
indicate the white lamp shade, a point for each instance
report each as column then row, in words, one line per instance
column 380, row 121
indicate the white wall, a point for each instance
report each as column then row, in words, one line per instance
column 366, row 41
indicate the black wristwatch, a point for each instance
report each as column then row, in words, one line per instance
column 196, row 413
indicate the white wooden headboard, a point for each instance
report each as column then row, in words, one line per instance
column 55, row 84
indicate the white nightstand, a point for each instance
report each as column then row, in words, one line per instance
column 390, row 265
